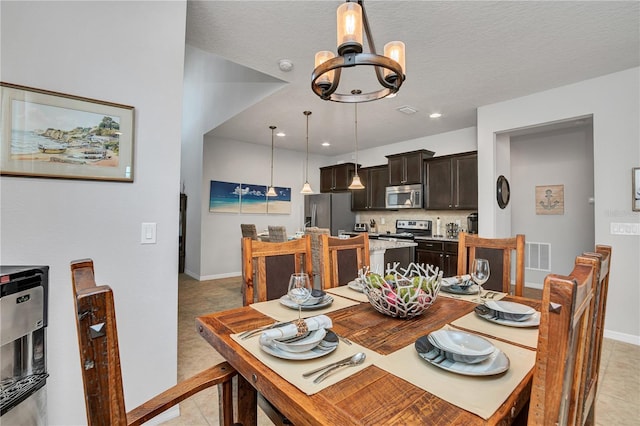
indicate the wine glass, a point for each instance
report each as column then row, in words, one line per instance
column 299, row 291
column 480, row 273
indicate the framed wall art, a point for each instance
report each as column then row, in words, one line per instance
column 55, row 135
column 550, row 199
column 635, row 187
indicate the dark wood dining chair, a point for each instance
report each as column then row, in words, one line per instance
column 100, row 361
column 342, row 258
column 499, row 253
column 249, row 230
column 591, row 370
column 267, row 267
column 563, row 340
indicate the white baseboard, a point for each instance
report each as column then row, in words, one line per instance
column 217, row 276
column 622, row 337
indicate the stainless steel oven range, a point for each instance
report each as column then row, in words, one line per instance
column 23, row 324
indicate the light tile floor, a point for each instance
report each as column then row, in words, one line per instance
column 618, row 401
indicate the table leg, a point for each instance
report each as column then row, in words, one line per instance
column 247, row 403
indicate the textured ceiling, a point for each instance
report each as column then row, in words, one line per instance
column 460, row 55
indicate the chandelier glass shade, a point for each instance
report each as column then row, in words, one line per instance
column 306, row 188
column 389, row 68
column 272, row 191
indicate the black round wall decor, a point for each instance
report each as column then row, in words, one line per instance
column 503, row 193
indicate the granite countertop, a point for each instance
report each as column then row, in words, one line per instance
column 454, row 240
column 376, row 245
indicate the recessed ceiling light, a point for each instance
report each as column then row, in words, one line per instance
column 435, row 115
column 407, row 110
column 281, row 134
column 326, row 144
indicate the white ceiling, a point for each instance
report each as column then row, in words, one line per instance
column 460, row 55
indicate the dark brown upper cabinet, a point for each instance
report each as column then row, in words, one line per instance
column 336, row 178
column 451, row 182
column 407, row 168
column 375, row 180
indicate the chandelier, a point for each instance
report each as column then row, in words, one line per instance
column 389, row 68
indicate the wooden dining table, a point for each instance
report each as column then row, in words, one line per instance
column 371, row 396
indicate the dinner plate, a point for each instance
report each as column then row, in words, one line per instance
column 355, row 285
column 496, row 363
column 326, row 346
column 489, row 315
column 301, row 344
column 462, row 346
column 461, row 281
column 454, row 289
column 510, row 310
column 326, row 301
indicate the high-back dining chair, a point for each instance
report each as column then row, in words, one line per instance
column 267, row 267
column 473, row 246
column 342, row 258
column 277, row 233
column 249, row 230
column 563, row 340
column 100, row 361
column 591, row 370
column 316, row 254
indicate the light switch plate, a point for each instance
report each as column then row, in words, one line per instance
column 625, row 228
column 148, row 233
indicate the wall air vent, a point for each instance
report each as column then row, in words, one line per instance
column 537, row 256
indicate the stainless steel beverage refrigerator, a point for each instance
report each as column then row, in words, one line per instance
column 331, row 211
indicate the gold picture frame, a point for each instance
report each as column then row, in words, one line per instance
column 55, row 135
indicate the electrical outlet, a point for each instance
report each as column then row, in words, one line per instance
column 625, row 228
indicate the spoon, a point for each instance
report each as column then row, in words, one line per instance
column 357, row 359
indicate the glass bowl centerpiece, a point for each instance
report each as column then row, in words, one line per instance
column 403, row 293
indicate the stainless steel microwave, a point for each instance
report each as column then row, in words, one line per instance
column 404, row 197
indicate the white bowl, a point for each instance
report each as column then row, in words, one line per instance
column 303, row 345
column 461, row 346
column 510, row 310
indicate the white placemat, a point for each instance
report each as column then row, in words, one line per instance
column 523, row 336
column 479, row 395
column 349, row 293
column 292, row 370
column 275, row 310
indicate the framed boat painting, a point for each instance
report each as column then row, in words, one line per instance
column 54, row 135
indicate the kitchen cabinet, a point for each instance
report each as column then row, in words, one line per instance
column 336, row 178
column 442, row 254
column 451, row 182
column 407, row 168
column 375, row 180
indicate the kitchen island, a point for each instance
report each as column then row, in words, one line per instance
column 382, row 252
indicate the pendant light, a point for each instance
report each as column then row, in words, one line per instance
column 355, row 183
column 272, row 191
column 306, row 188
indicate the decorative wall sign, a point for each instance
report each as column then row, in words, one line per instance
column 550, row 199
column 233, row 197
column 54, row 135
column 635, row 187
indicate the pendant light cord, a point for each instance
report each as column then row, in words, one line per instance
column 356, row 138
column 307, row 169
column 272, row 129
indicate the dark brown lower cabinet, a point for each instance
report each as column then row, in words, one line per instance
column 442, row 254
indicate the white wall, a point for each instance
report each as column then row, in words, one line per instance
column 614, row 102
column 234, row 161
column 214, row 91
column 553, row 157
column 130, row 53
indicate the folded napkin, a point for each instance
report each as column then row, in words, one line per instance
column 457, row 280
column 290, row 330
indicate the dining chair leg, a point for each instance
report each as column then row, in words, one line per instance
column 247, row 403
column 225, row 403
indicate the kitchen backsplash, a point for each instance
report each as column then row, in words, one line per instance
column 390, row 218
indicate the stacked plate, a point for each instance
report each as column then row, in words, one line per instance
column 313, row 344
column 318, row 300
column 357, row 285
column 508, row 313
column 460, row 284
column 462, row 353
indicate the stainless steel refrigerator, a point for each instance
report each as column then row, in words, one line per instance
column 331, row 211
